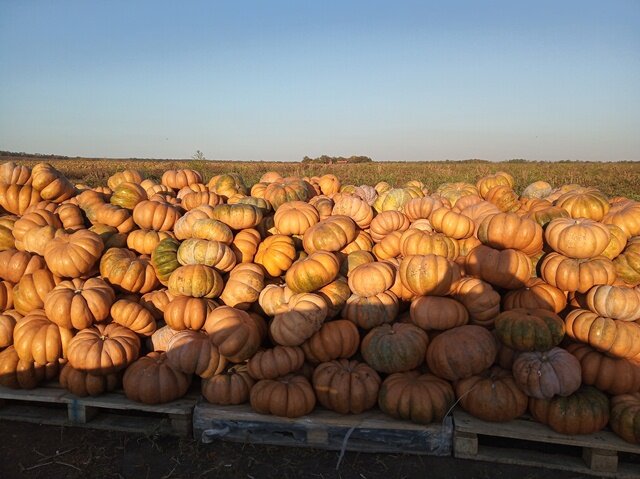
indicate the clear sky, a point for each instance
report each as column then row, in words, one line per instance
column 278, row 80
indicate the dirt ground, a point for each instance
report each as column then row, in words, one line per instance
column 50, row 452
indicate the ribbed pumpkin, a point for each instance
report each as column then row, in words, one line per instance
column 132, row 176
column 103, row 349
column 529, row 329
column 15, row 264
column 570, row 274
column 625, row 417
column 51, row 184
column 121, row 267
column 626, row 216
column 128, row 195
column 290, row 396
column 196, row 280
column 164, row 259
column 609, row 374
column 78, row 303
column 8, row 320
column 394, row 348
column 388, row 247
column 485, row 183
column 177, row 179
column 479, row 298
column 335, row 294
column 334, row 340
column 492, row 396
column 134, row 316
column 191, row 352
column 16, row 373
column 31, row 291
column 83, row 384
column 510, row 231
column 454, row 191
column 370, row 279
column 245, row 245
column 420, row 398
column 503, row 197
column 452, row 224
column 536, row 294
column 303, row 316
column 437, row 313
column 276, row 362
column 185, row 312
column 627, row 264
column 289, row 189
column 614, row 302
column 394, row 199
column 273, row 299
column 414, row 241
column 146, row 241
column 355, row 208
column 617, row 242
column 17, row 198
column 331, row 234
column 73, row 255
column 584, row 203
column 313, row 272
column 13, row 174
column 37, row 339
column 209, row 253
column 372, row 311
column 461, row 352
column 584, row 412
column 546, row 374
column 276, row 254
column 295, row 217
column 577, row 238
column 231, row 387
column 421, row 208
column 236, row 334
column 616, row 338
column 239, row 216
column 509, row 268
column 243, row 286
column 346, row 386
column 428, row 274
column 151, row 380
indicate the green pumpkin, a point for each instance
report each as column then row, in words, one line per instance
column 128, row 195
column 529, row 329
column 165, row 259
column 396, row 198
column 395, row 348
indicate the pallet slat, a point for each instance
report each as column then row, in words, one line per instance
column 368, row 432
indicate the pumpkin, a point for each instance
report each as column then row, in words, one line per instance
column 289, row 189
column 617, row 242
column 236, row 334
column 485, row 183
column 353, row 260
column 290, row 396
column 389, row 246
column 625, row 414
column 331, row 234
column 231, row 387
column 195, row 280
column 273, row 299
column 134, row 316
column 536, row 294
column 276, row 254
column 209, row 253
column 154, row 215
column 304, row 316
column 609, row 374
column 370, row 279
column 103, row 349
column 510, row 231
column 184, row 312
column 537, row 189
column 461, row 352
column 584, row 412
column 625, row 216
column 17, row 198
column 529, row 329
column 193, row 199
column 79, row 303
column 37, row 339
column 580, row 275
column 16, row 373
column 121, row 267
column 386, row 223
column 12, row 174
column 614, row 302
column 479, row 298
column 128, row 195
column 492, row 396
column 227, row 185
column 73, row 255
column 276, row 362
column 439, row 313
column 151, row 380
column 394, row 348
column 132, row 176
column 427, row 274
column 164, row 259
column 239, row 216
column 145, row 241
column 313, row 272
column 191, row 352
column 83, row 384
column 15, row 264
column 177, row 179
column 7, row 241
column 8, row 320
column 584, row 203
column 334, row 340
column 33, row 221
column 183, row 227
column 110, row 236
column 355, row 208
column 30, row 292
column 508, row 268
column 346, row 386
column 372, row 311
column 6, row 295
column 243, row 286
column 212, row 230
column 335, row 294
column 245, row 245
column 51, row 184
column 616, row 338
column 452, row 224
column 627, row 264
column 414, row 241
column 295, row 217
column 394, row 199
column 546, row 374
column 503, row 197
column 323, row 204
column 545, row 215
column 420, row 398
column 421, row 208
column 156, row 302
column 577, row 238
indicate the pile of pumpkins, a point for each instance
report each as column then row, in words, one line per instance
column 299, row 292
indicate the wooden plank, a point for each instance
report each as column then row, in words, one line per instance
column 36, row 395
column 119, row 401
column 368, row 432
column 534, row 431
column 600, row 460
column 80, row 412
column 465, row 443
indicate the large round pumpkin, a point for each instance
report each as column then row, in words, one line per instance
column 236, row 334
column 368, row 312
column 370, row 279
column 420, row 398
column 73, row 255
column 276, row 254
column 16, row 373
column 303, row 316
column 546, row 374
column 276, row 362
column 509, row 268
column 536, row 294
column 334, row 340
column 614, row 302
column 529, row 329
column 439, row 313
column 196, row 280
column 15, row 264
column 394, row 348
column 414, row 241
column 479, row 298
column 78, row 303
column 452, row 224
column 313, row 272
column 191, row 352
column 245, row 245
column 492, row 396
column 577, row 238
column 289, row 396
column 151, row 380
column 121, row 267
column 427, row 274
column 209, row 253
column 243, row 286
column 231, row 387
column 295, row 217
column 584, row 203
column 239, row 216
column 103, row 349
column 134, row 316
column 511, row 231
column 580, row 275
column 37, row 339
column 461, row 352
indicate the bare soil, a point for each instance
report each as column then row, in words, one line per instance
column 50, row 452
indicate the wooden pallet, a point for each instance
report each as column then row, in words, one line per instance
column 476, row 439
column 53, row 405
column 368, row 432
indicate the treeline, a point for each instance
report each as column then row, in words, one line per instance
column 22, row 154
column 327, row 160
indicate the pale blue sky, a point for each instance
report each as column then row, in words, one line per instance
column 278, row 80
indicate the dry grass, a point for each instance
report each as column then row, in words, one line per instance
column 614, row 179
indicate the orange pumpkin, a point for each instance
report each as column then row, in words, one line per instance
column 418, row 242
column 439, row 313
column 243, row 286
column 334, row 340
column 232, row 386
column 331, row 234
column 370, row 279
column 584, row 203
column 509, row 268
column 452, row 224
column 303, row 316
column 236, row 334
column 185, row 312
column 151, row 380
column 372, row 311
column 577, row 238
column 428, row 274
column 394, row 348
column 579, row 275
column 276, row 254
column 191, row 352
column 510, row 231
column 73, row 255
column 276, row 362
column 313, row 272
column 536, row 294
column 154, row 215
column 31, row 291
column 15, row 264
column 51, row 184
column 39, row 340
column 196, row 280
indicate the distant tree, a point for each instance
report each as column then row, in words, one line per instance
column 198, row 156
column 327, row 160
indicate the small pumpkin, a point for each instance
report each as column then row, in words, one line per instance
column 529, row 329
column 236, row 334
column 334, row 340
column 81, row 383
column 151, row 380
column 231, row 387
column 437, row 313
column 546, row 374
column 79, row 303
column 394, row 348
column 276, row 362
column 290, row 396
